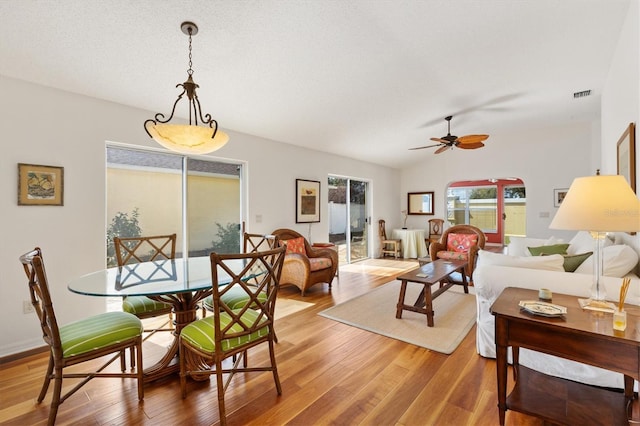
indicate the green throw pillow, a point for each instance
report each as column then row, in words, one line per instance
column 571, row 263
column 552, row 249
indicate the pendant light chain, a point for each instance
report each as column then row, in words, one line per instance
column 190, row 71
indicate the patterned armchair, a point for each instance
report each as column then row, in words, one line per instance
column 305, row 266
column 460, row 242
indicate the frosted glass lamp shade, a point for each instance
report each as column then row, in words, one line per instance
column 187, row 139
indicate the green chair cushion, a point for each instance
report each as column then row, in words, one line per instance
column 235, row 298
column 200, row 334
column 138, row 305
column 97, row 332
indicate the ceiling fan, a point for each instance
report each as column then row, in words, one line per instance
column 451, row 141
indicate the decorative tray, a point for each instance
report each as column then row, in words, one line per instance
column 544, row 309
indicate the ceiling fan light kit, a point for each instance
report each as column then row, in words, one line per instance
column 451, row 141
column 201, row 135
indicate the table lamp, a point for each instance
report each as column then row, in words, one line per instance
column 599, row 204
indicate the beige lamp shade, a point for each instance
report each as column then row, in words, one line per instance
column 601, row 203
column 185, row 138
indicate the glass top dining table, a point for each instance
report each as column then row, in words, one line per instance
column 179, row 282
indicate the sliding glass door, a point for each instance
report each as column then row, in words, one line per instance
column 157, row 193
column 348, row 218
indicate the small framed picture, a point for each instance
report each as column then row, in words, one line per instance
column 40, row 185
column 307, row 201
column 627, row 155
column 558, row 196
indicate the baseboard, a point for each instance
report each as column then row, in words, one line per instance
column 20, row 355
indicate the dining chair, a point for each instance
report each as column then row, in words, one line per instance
column 236, row 297
column 388, row 245
column 436, row 226
column 204, row 344
column 104, row 334
column 130, row 250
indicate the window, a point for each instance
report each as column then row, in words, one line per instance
column 153, row 193
column 475, row 206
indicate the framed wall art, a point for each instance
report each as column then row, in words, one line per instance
column 627, row 155
column 307, row 201
column 558, row 196
column 40, row 185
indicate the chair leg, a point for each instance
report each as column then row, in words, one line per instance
column 183, row 371
column 274, row 366
column 140, row 370
column 55, row 400
column 133, row 357
column 47, row 380
column 220, row 385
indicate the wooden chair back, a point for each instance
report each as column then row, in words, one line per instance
column 144, row 249
column 263, row 308
column 41, row 299
column 436, row 227
column 259, row 242
column 382, row 231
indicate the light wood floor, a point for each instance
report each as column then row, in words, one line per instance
column 331, row 373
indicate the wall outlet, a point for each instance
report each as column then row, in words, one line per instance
column 27, row 307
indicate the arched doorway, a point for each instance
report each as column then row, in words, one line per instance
column 495, row 205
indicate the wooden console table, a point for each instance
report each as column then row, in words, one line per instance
column 583, row 336
column 431, row 273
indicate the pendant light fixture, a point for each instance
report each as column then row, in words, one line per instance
column 201, row 135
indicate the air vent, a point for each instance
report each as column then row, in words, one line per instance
column 582, row 94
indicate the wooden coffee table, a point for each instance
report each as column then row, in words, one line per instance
column 434, row 272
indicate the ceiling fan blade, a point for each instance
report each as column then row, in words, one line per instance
column 423, row 147
column 443, row 148
column 472, row 139
column 444, row 141
column 474, row 145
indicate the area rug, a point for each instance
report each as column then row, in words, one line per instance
column 375, row 311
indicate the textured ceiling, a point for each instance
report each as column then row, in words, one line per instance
column 365, row 79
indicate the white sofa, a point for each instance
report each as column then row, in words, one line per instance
column 494, row 272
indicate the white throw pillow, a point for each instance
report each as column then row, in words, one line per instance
column 519, row 246
column 618, row 261
column 553, row 262
column 582, row 242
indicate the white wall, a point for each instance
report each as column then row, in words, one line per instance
column 544, row 158
column 46, row 126
column 621, row 100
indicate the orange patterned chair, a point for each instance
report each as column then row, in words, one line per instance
column 459, row 242
column 304, row 265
